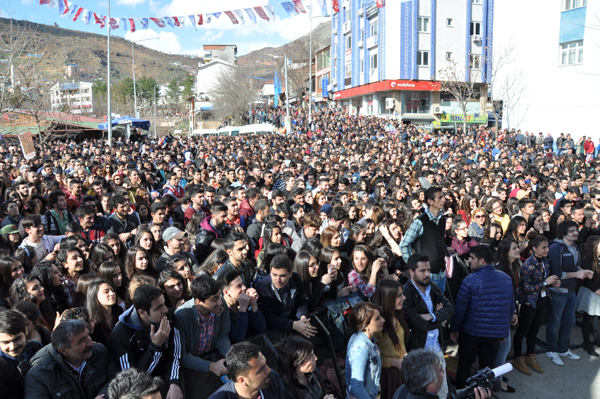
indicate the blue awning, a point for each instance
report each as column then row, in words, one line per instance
column 126, row 120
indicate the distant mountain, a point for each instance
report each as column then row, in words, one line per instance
column 88, row 50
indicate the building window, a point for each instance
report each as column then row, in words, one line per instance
column 475, row 28
column 571, row 4
column 416, row 102
column 571, row 53
column 423, row 24
column 373, row 62
column 362, row 65
column 476, row 1
column 362, row 35
column 348, row 73
column 348, row 40
column 374, row 28
column 450, row 22
column 475, row 61
column 423, row 58
column 448, row 56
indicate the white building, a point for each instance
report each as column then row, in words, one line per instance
column 207, row 75
column 76, row 97
column 560, row 60
column 387, row 61
column 224, row 52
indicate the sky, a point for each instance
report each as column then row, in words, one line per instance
column 186, row 40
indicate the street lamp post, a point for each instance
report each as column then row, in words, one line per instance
column 135, row 111
column 109, row 116
column 154, row 88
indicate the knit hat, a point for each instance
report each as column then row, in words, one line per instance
column 326, row 209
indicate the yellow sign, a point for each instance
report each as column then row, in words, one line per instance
column 436, row 124
column 26, row 140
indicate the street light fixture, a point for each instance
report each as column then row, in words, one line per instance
column 135, row 111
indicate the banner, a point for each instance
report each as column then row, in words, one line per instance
column 324, row 84
column 26, row 140
column 455, row 118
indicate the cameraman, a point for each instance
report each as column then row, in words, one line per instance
column 423, row 376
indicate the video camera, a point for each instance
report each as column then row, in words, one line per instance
column 484, row 378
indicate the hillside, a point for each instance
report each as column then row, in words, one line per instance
column 88, row 50
column 262, row 64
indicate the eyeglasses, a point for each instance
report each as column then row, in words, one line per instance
column 479, row 216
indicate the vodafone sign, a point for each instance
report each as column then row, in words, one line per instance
column 386, row 85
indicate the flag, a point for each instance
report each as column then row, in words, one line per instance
column 310, row 9
column 289, row 7
column 73, row 10
column 324, row 9
column 336, row 6
column 270, row 11
column 144, row 23
column 250, row 14
column 52, row 4
column 299, row 7
column 169, row 22
column 208, row 18
column 78, row 14
column 124, row 21
column 380, row 3
column 276, row 87
column 217, row 14
column 114, row 23
column 159, row 22
column 176, row 21
column 100, row 19
column 193, row 21
column 181, row 21
column 131, row 25
column 261, row 13
column 63, row 8
column 200, row 19
column 87, row 15
column 42, row 2
column 232, row 17
column 240, row 16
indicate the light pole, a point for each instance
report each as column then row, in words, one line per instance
column 109, row 116
column 154, row 88
column 135, row 111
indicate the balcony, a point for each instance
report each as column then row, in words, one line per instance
column 372, row 41
column 372, row 11
column 346, row 27
column 334, row 32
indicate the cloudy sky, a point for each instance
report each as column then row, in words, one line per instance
column 186, row 40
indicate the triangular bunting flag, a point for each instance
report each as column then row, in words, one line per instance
column 217, row 14
column 63, row 8
column 193, row 21
column 78, row 14
column 159, row 22
column 73, row 10
column 324, row 9
column 299, row 7
column 114, row 23
column 124, row 21
column 100, row 19
column 200, row 19
column 232, row 17
column 131, row 25
column 87, row 15
column 144, row 23
column 181, row 22
column 270, row 11
column 176, row 21
column 42, row 2
column 290, row 8
column 261, row 13
column 207, row 18
column 169, row 21
column 240, row 16
column 250, row 14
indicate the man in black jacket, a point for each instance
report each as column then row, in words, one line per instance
column 211, row 227
column 147, row 338
column 282, row 301
column 425, row 308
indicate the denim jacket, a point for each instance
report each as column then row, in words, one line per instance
column 363, row 367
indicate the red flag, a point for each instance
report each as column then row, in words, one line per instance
column 100, row 20
column 44, row 2
column 200, row 19
column 299, row 7
column 176, row 21
column 158, row 21
column 336, row 6
column 114, row 23
column 77, row 14
column 261, row 13
column 132, row 24
column 232, row 17
column 380, row 3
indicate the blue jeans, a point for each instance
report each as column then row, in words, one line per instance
column 561, row 319
column 503, row 353
column 441, row 282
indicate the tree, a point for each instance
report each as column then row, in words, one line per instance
column 188, row 87
column 234, row 94
column 462, row 86
column 173, row 91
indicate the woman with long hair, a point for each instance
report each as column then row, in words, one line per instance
column 271, row 235
column 29, row 288
column 479, row 223
column 392, row 340
column 317, row 286
column 113, row 272
column 137, row 262
column 495, row 209
column 114, row 242
column 366, row 270
column 143, row 211
column 10, row 270
column 55, row 290
column 71, row 263
column 100, row 253
column 182, row 266
column 331, row 237
column 517, row 230
column 214, row 262
column 363, row 358
column 174, row 287
column 297, row 365
column 145, row 239
column 192, row 227
column 319, row 200
column 35, row 330
column 11, row 238
column 468, row 203
column 588, row 297
column 27, row 256
column 142, row 196
column 102, row 305
column 332, row 259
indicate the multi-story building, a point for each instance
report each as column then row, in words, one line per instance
column 556, row 59
column 224, row 52
column 72, row 71
column 322, row 77
column 75, row 97
column 389, row 61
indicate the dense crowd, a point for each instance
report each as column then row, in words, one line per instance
column 196, row 267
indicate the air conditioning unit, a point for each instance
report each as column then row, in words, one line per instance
column 334, row 31
column 361, row 44
column 476, row 38
column 390, row 103
column 335, row 56
column 361, row 11
column 437, row 109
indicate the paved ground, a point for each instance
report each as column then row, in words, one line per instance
column 574, row 380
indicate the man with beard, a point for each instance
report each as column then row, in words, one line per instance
column 121, row 221
column 425, row 308
column 204, row 324
column 237, row 246
column 249, row 375
column 72, row 367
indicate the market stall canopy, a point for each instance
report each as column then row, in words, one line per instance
column 127, row 120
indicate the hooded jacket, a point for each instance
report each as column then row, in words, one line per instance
column 130, row 346
column 206, row 235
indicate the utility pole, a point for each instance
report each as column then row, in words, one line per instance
column 310, row 73
column 135, row 111
column 155, row 136
column 109, row 116
column 288, row 118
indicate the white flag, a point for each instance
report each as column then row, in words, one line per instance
column 240, row 15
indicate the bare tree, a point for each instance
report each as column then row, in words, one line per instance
column 462, row 86
column 233, row 94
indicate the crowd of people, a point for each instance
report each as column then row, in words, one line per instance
column 145, row 269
